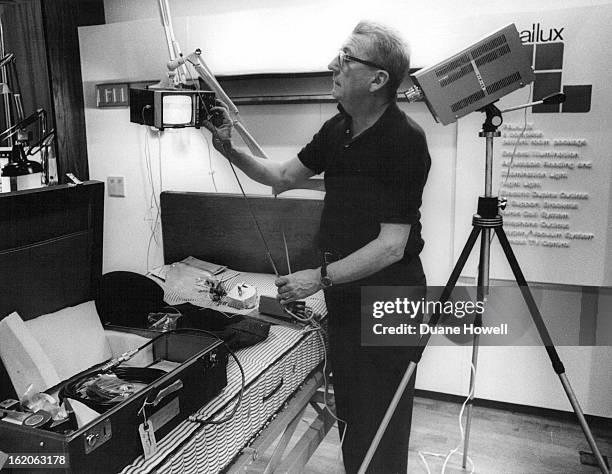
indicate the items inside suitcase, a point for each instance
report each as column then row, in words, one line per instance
column 107, row 385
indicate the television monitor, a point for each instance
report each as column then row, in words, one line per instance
column 170, row 108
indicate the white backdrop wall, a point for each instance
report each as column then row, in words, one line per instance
column 243, row 37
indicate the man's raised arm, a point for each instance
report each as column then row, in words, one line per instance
column 280, row 175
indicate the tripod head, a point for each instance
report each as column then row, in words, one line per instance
column 493, row 119
column 494, row 115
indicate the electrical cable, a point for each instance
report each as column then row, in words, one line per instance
column 448, row 456
column 228, row 316
column 147, row 151
column 143, row 375
column 316, row 327
column 209, row 421
column 248, row 205
column 180, row 446
column 518, row 139
column 153, row 202
column 102, row 391
column 69, row 389
column 230, row 352
column 309, row 319
column 261, row 235
column 320, row 332
column 211, row 172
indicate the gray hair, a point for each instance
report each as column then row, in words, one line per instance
column 387, row 48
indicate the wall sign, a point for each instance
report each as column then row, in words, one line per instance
column 112, row 95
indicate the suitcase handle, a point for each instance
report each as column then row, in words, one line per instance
column 164, row 392
column 274, row 390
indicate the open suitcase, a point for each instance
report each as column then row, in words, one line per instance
column 51, row 258
column 112, row 440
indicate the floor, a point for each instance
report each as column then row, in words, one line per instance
column 500, row 442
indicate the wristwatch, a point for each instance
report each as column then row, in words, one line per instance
column 326, row 281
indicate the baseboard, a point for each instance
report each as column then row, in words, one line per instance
column 595, row 422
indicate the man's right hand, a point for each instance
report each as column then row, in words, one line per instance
column 222, row 133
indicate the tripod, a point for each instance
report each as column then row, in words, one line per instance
column 484, row 222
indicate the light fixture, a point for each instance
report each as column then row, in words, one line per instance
column 21, row 173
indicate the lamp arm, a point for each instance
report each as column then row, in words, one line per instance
column 7, row 58
column 30, row 119
column 43, row 142
column 174, row 50
column 195, row 59
column 8, row 61
column 555, row 98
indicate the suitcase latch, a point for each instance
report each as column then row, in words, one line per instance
column 97, row 436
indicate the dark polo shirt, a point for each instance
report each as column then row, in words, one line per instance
column 378, row 177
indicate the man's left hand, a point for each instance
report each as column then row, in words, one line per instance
column 298, row 285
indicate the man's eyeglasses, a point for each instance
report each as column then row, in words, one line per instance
column 343, row 58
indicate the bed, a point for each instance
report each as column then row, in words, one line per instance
column 284, row 372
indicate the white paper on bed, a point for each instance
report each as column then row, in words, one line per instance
column 187, row 284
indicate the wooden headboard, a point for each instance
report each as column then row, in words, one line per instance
column 50, row 248
column 219, row 228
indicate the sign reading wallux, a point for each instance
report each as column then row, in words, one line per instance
column 552, row 162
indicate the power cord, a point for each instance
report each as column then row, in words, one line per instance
column 209, row 420
column 518, row 140
column 316, row 327
column 153, row 202
column 452, row 452
column 516, row 143
column 211, row 172
column 70, row 389
column 264, row 241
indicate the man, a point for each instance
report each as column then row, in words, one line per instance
column 376, row 163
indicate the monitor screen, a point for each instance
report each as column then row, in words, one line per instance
column 170, row 108
column 177, row 110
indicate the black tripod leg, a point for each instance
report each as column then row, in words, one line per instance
column 450, row 285
column 448, row 289
column 536, row 316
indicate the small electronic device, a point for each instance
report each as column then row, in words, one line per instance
column 477, row 76
column 171, row 108
column 270, row 306
column 295, row 312
column 242, row 296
